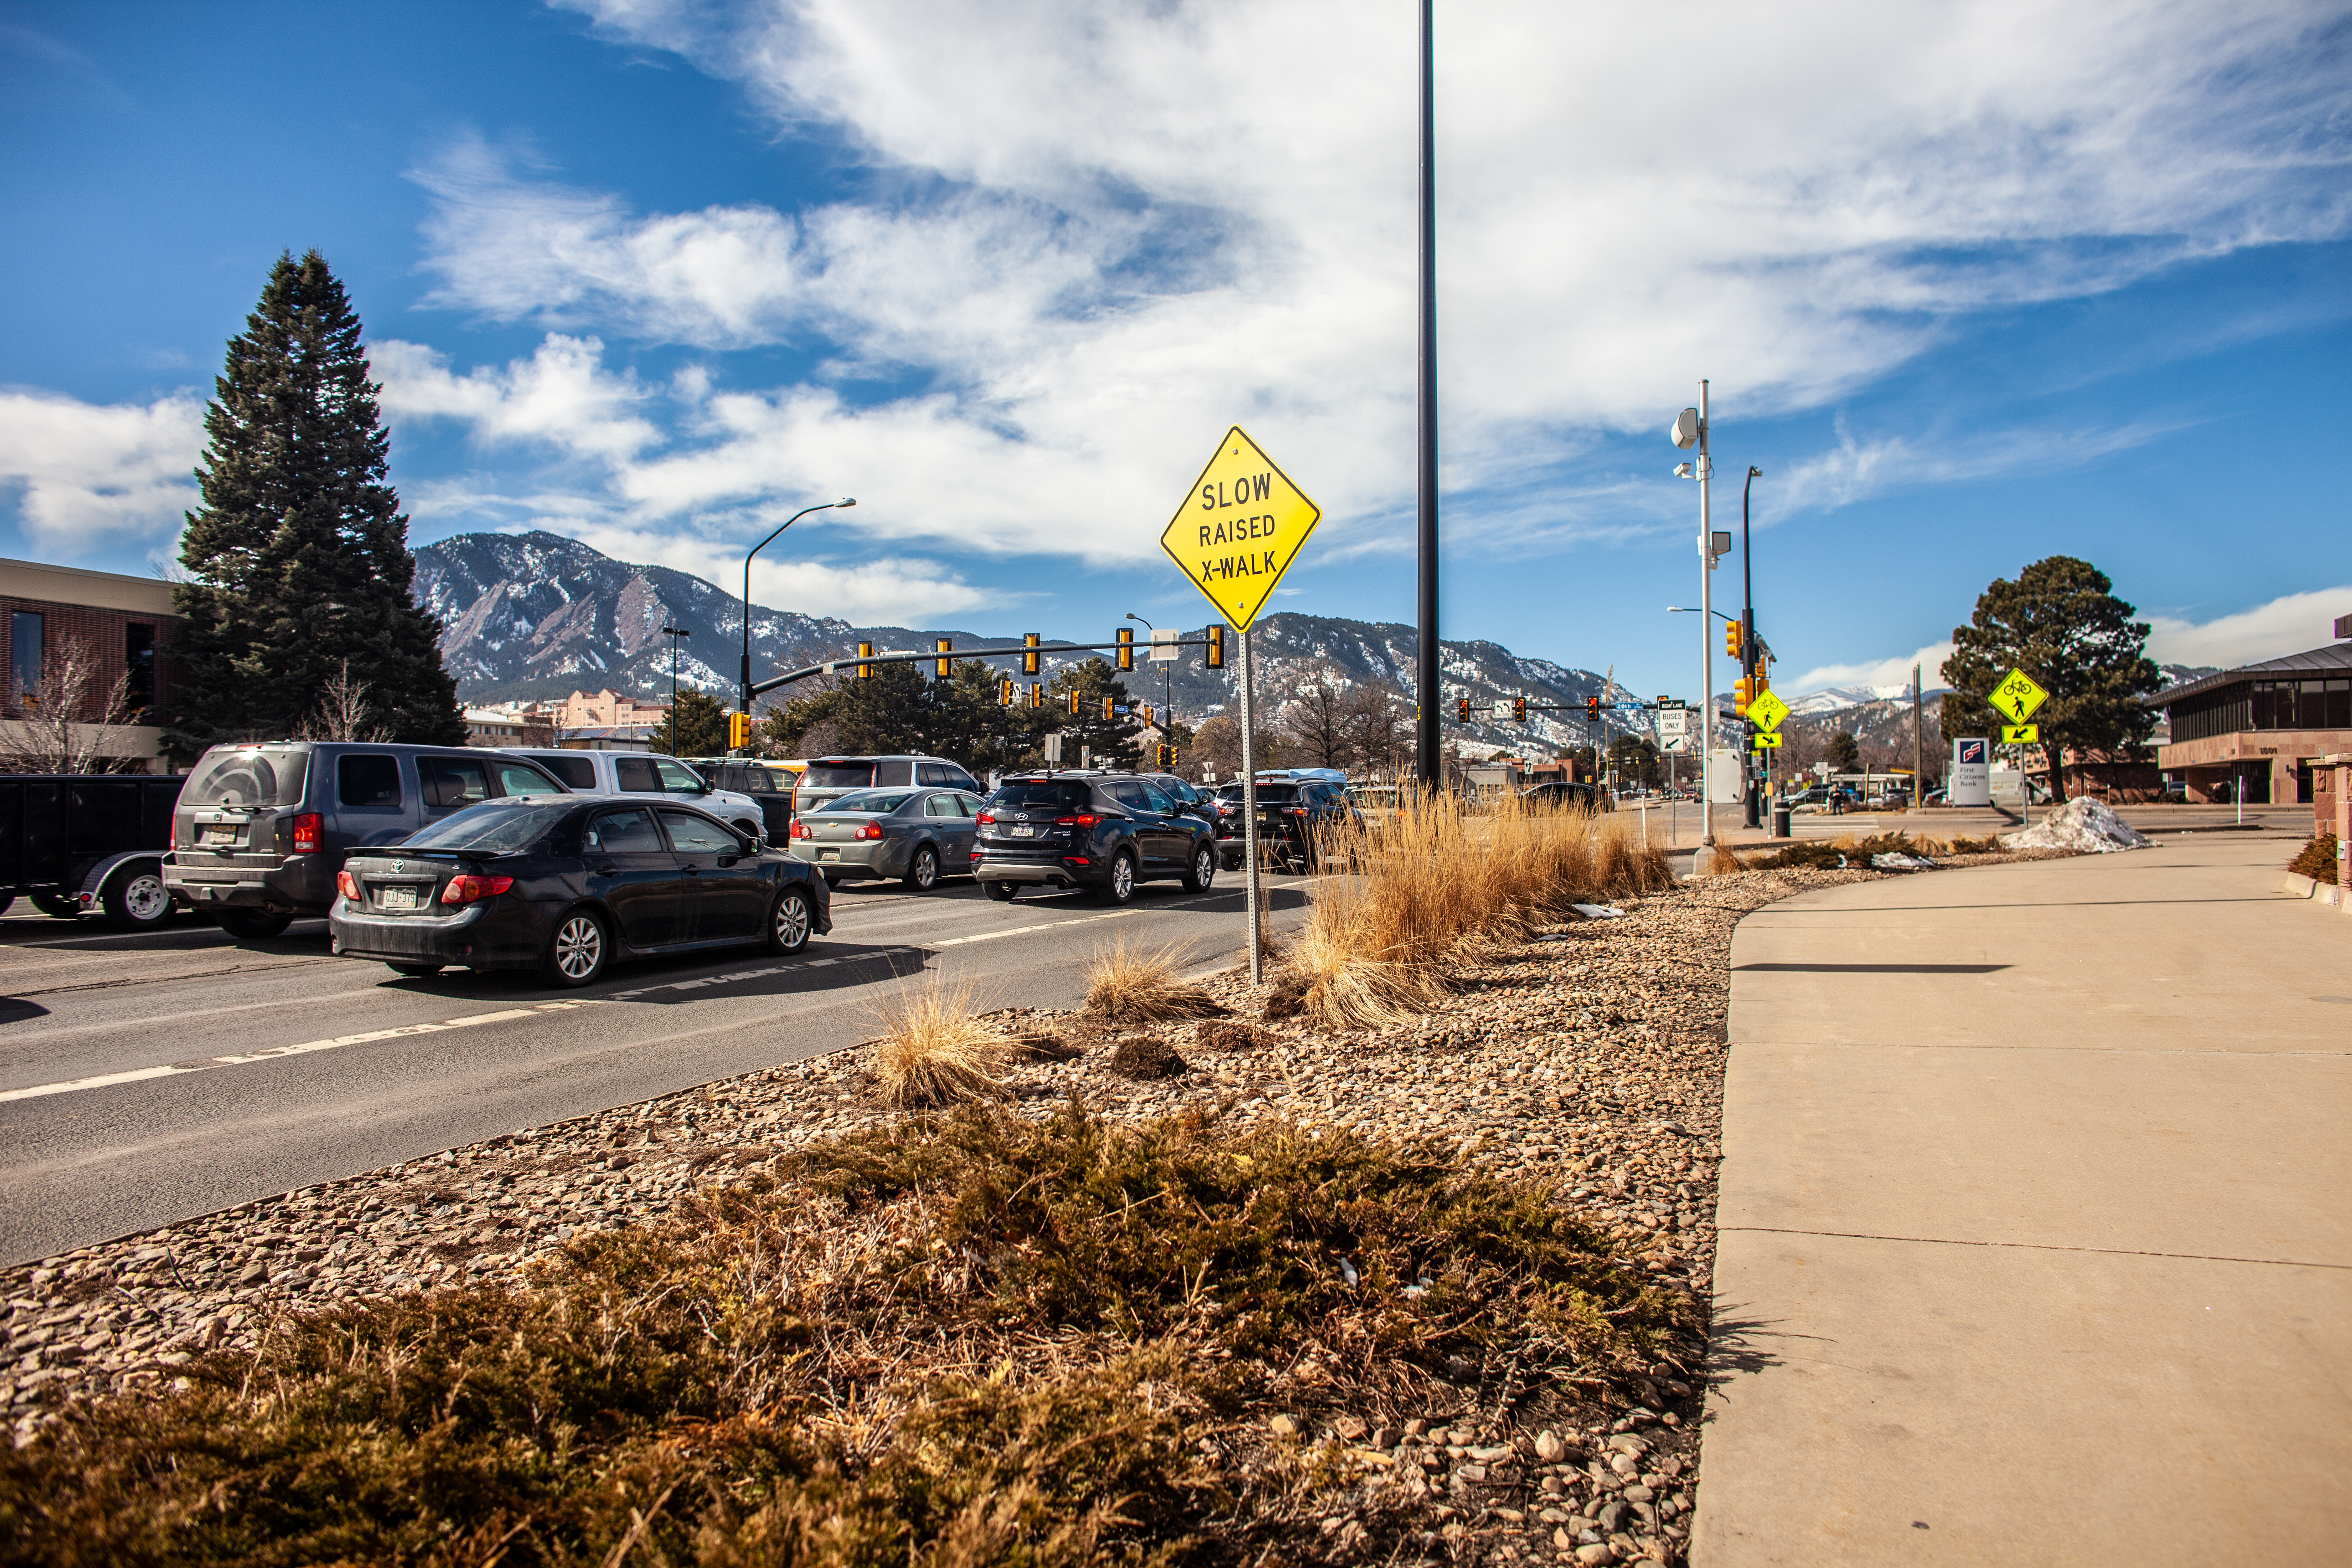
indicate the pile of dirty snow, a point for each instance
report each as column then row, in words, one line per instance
column 2090, row 826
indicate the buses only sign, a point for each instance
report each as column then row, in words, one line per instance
column 1239, row 528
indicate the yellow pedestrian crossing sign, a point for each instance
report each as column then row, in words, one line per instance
column 2018, row 696
column 1763, row 739
column 1239, row 528
column 1767, row 712
column 2021, row 734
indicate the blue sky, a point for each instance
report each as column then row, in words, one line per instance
column 1972, row 286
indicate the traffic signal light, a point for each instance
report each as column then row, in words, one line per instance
column 1036, row 694
column 739, row 730
column 1739, row 697
column 1147, row 715
column 866, row 671
column 1165, row 755
column 1216, row 646
column 1006, row 694
column 945, row 666
column 1074, row 701
column 1110, row 708
column 1126, row 648
column 1592, row 709
column 1029, row 660
column 1462, row 709
column 1519, row 709
column 1731, row 638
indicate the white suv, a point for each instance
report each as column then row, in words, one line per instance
column 640, row 773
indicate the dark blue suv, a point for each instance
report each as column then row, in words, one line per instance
column 1102, row 832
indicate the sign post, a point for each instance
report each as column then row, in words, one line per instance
column 1236, row 533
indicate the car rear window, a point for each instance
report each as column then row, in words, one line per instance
column 365, row 778
column 576, row 771
column 496, row 827
column 453, row 781
column 1042, row 796
column 880, row 802
column 521, row 778
column 252, row 778
column 837, row 775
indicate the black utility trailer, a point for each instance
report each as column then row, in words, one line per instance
column 88, row 843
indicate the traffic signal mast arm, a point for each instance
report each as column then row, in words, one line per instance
column 1011, row 650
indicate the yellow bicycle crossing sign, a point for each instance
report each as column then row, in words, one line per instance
column 2018, row 696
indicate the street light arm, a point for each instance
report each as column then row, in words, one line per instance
column 826, row 506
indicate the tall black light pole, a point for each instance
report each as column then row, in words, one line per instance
column 745, row 706
column 1426, row 754
column 673, row 633
column 1747, row 659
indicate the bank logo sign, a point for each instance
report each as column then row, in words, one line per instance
column 1239, row 528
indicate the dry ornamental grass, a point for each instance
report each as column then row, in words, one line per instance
column 1126, row 984
column 934, row 1051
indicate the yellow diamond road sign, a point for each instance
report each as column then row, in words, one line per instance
column 1767, row 712
column 2018, row 696
column 1239, row 528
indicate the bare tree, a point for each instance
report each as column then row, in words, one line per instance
column 1378, row 724
column 60, row 724
column 343, row 711
column 1317, row 712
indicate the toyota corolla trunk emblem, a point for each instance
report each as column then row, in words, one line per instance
column 398, row 867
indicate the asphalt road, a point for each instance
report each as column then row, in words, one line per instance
column 145, row 1080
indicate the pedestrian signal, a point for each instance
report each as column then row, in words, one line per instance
column 1126, row 648
column 1216, row 646
column 866, row 671
column 1029, row 660
column 739, row 730
column 1519, row 709
column 1731, row 638
column 945, row 666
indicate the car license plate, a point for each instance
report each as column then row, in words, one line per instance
column 1024, row 833
column 402, row 898
column 828, row 853
column 218, row 836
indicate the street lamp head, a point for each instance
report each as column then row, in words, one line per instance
column 846, row 500
column 1685, row 428
column 1754, row 472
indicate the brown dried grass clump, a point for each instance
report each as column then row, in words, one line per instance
column 1231, row 1035
column 2317, row 860
column 934, row 1048
column 1128, row 985
column 1146, row 1056
column 1437, row 886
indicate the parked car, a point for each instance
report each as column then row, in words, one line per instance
column 1581, row 796
column 916, row 835
column 568, row 886
column 1103, row 832
column 643, row 774
column 81, row 843
column 1292, row 818
column 1189, row 797
column 261, row 830
column 829, row 778
column 767, row 784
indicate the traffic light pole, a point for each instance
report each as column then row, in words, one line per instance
column 1748, row 639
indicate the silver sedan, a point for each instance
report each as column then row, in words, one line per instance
column 915, row 835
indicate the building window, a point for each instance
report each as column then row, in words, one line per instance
column 24, row 655
column 138, row 662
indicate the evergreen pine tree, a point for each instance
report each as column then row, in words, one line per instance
column 299, row 561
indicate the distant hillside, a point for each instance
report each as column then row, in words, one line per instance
column 536, row 615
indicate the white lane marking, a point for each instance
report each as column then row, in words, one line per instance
column 193, row 1012
column 299, row 928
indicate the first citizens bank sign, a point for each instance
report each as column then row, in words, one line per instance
column 1239, row 528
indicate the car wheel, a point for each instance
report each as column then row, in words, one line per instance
column 923, row 872
column 251, row 925
column 138, row 902
column 414, row 970
column 1119, row 887
column 1002, row 892
column 578, row 951
column 1204, row 870
column 789, row 927
column 57, row 906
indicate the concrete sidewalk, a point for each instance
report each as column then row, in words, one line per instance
column 2034, row 1236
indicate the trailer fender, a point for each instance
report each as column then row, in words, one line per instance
column 91, row 898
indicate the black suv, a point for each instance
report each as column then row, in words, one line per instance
column 1292, row 814
column 1102, row 832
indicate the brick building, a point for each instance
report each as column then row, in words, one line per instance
column 2263, row 724
column 606, row 710
column 121, row 626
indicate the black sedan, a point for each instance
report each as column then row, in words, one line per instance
column 569, row 885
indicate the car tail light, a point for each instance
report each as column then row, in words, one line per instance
column 469, row 889
column 310, row 829
column 1078, row 860
column 801, row 830
column 172, row 840
column 868, row 830
column 348, row 885
column 988, row 819
column 1084, row 819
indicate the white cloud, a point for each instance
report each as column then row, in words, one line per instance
column 91, row 475
column 561, row 396
column 1101, row 231
column 2293, row 622
column 1881, row 672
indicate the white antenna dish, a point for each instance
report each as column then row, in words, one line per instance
column 1685, row 428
